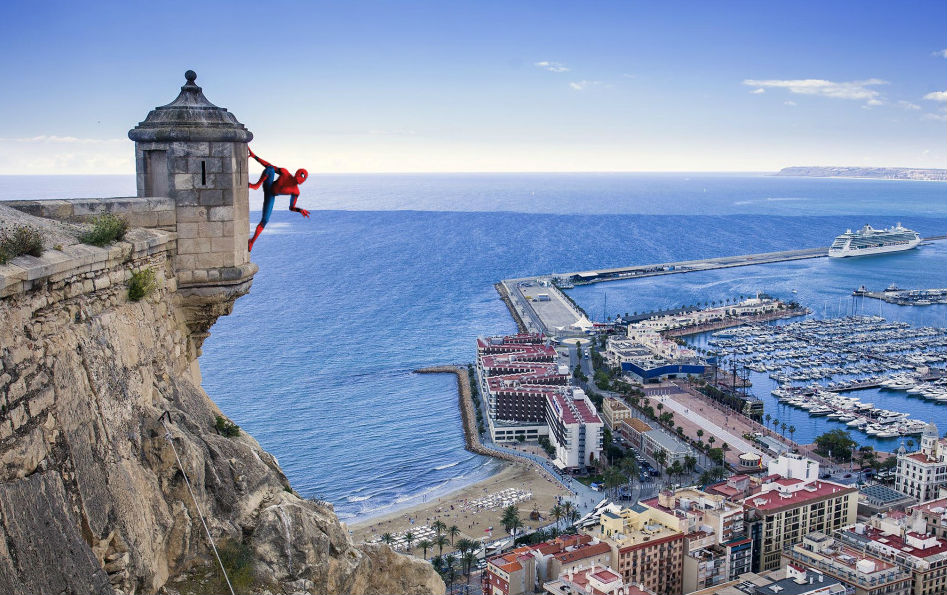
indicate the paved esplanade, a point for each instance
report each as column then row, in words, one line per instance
column 722, row 433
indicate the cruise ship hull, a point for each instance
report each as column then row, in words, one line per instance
column 847, row 252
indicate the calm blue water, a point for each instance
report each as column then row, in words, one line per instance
column 316, row 361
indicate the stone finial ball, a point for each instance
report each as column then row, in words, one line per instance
column 190, row 75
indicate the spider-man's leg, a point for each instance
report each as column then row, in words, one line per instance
column 268, row 201
column 267, row 177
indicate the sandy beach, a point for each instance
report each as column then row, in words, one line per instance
column 451, row 510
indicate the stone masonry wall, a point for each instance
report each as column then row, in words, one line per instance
column 210, row 188
column 147, row 212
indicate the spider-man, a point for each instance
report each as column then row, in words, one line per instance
column 273, row 187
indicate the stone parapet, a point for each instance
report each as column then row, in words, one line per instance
column 55, row 266
column 148, row 212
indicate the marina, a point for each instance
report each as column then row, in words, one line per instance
column 825, row 286
column 815, row 361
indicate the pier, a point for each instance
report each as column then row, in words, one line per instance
column 539, row 305
column 905, row 297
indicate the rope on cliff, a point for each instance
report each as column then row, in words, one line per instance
column 187, row 482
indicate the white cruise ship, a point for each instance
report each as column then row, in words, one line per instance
column 869, row 240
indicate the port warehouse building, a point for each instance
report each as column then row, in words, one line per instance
column 661, row 372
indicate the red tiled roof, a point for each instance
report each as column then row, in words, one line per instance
column 930, row 505
column 605, row 575
column 895, row 541
column 776, row 499
column 583, row 552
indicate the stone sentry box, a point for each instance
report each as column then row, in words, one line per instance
column 195, row 153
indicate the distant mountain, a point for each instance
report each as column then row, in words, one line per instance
column 881, row 173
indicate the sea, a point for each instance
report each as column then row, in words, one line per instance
column 396, row 272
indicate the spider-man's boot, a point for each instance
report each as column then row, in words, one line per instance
column 259, row 230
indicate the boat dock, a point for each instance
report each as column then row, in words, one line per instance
column 540, row 305
column 905, row 297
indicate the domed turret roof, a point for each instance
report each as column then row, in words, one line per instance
column 190, row 117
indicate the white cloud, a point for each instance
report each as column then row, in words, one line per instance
column 936, row 96
column 941, row 53
column 583, row 85
column 908, row 105
column 857, row 90
column 938, row 117
column 551, row 66
column 758, row 91
column 875, row 102
column 789, row 102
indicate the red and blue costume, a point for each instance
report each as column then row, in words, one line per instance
column 274, row 186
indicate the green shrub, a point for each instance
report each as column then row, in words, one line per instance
column 226, row 428
column 142, row 284
column 20, row 240
column 106, row 229
column 237, row 558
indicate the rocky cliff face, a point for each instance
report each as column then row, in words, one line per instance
column 92, row 496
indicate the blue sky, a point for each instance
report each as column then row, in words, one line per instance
column 487, row 86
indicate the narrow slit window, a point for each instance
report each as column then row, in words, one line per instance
column 203, row 173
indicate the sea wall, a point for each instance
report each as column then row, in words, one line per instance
column 93, row 498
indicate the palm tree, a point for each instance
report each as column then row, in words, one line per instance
column 511, row 518
column 465, row 545
column 767, row 417
column 568, row 508
column 661, row 457
column 557, row 512
column 613, row 478
column 449, row 572
column 409, row 537
column 783, row 426
column 700, row 433
column 437, row 562
column 387, row 538
column 775, row 423
column 690, row 463
column 453, row 531
column 440, row 541
column 711, row 441
column 467, row 560
column 630, row 467
column 439, row 526
column 425, row 545
column 792, row 430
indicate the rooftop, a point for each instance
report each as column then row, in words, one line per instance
column 938, row 506
column 582, row 552
column 913, row 544
column 790, row 493
column 882, row 495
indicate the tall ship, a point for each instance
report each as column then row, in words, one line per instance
column 869, row 240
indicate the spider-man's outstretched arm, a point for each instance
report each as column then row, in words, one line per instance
column 292, row 206
column 262, row 162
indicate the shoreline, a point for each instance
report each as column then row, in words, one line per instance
column 450, row 507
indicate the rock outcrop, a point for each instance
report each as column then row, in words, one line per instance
column 103, row 422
